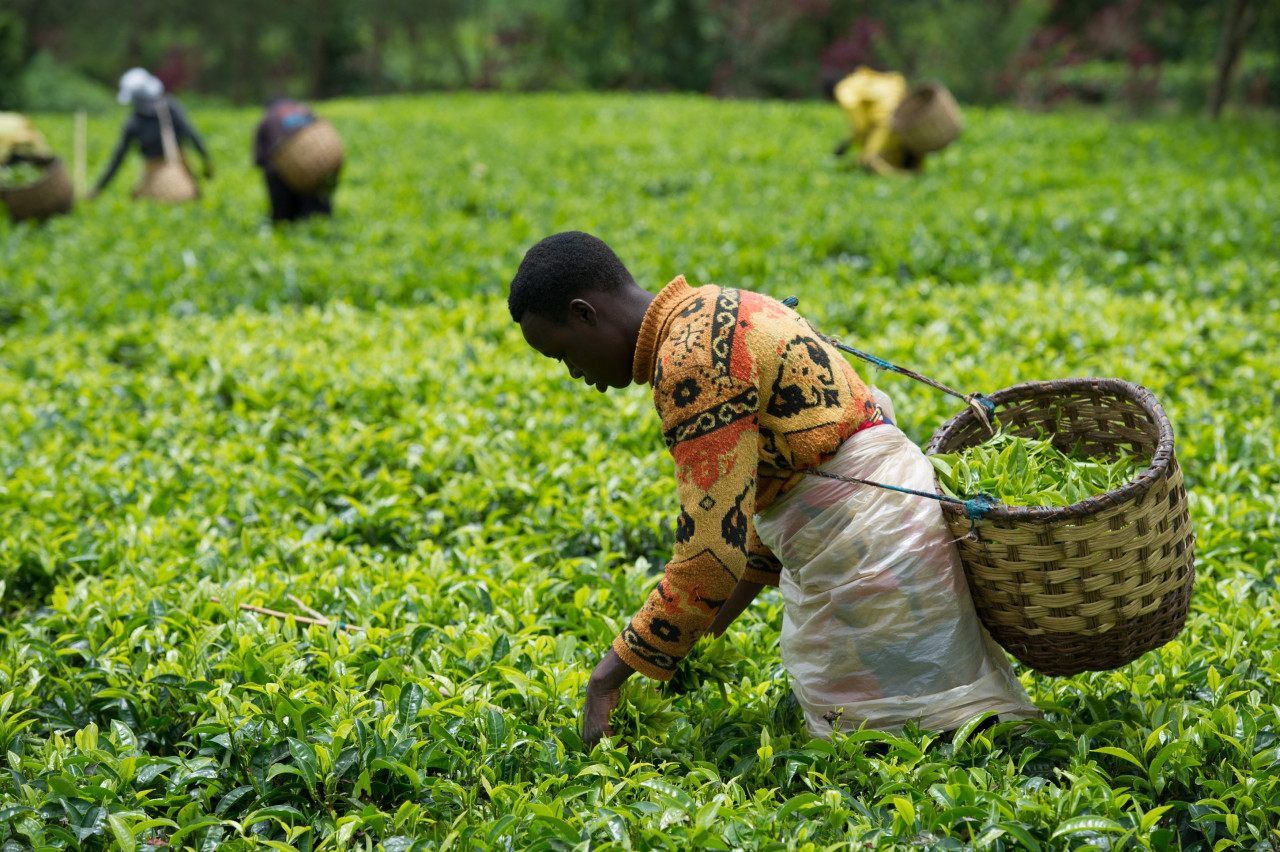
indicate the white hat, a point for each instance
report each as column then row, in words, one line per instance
column 138, row 83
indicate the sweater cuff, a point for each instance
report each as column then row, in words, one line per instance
column 762, row 566
column 761, row 576
column 643, row 666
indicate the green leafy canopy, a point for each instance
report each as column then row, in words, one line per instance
column 198, row 411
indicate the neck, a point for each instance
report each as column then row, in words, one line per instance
column 635, row 302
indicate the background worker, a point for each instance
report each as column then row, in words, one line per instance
column 146, row 93
column 868, row 99
column 20, row 140
column 282, row 119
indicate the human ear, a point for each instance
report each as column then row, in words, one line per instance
column 583, row 311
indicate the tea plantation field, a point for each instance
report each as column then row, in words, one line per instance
column 198, row 412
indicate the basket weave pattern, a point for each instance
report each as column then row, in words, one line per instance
column 1094, row 585
column 309, row 160
column 167, row 181
column 49, row 196
column 928, row 119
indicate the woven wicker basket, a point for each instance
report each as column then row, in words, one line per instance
column 169, row 181
column 928, row 119
column 309, row 160
column 1094, row 585
column 49, row 196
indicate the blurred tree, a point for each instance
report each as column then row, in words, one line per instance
column 971, row 47
column 13, row 60
column 232, row 37
column 770, row 48
column 662, row 44
column 1239, row 19
column 316, row 48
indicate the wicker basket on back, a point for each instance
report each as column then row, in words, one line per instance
column 50, row 195
column 168, row 181
column 928, row 119
column 1094, row 585
column 310, row 159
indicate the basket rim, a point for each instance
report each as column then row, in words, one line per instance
column 1161, row 459
column 918, row 98
column 51, row 168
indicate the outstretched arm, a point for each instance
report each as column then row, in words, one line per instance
column 117, row 157
column 715, row 443
column 184, row 127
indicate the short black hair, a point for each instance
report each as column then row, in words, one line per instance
column 559, row 269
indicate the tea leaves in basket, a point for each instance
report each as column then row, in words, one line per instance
column 19, row 174
column 1031, row 472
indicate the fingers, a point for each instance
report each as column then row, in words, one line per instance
column 604, row 690
column 595, row 715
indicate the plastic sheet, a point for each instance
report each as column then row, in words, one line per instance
column 878, row 627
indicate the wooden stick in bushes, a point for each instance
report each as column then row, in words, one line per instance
column 300, row 619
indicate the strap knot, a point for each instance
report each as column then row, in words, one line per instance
column 977, row 507
column 984, row 407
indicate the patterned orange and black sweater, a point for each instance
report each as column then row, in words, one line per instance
column 749, row 395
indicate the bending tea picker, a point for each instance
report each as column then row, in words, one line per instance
column 878, row 629
column 300, row 156
column 159, row 126
column 34, row 183
column 894, row 127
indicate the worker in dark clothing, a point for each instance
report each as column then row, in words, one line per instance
column 144, row 126
column 283, row 118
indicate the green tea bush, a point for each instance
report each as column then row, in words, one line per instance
column 199, row 412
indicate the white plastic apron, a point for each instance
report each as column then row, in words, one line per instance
column 878, row 626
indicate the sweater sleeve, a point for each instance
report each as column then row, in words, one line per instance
column 711, row 426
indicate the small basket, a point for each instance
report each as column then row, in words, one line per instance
column 1094, row 585
column 50, row 195
column 168, row 181
column 309, row 160
column 928, row 119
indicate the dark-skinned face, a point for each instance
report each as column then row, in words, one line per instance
column 593, row 348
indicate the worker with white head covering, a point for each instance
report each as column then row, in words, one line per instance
column 146, row 93
column 139, row 84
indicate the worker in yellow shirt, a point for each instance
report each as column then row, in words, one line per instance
column 19, row 139
column 869, row 98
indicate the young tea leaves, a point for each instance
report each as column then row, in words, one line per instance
column 1022, row 471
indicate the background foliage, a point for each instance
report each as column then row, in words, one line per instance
column 199, row 411
column 1141, row 53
